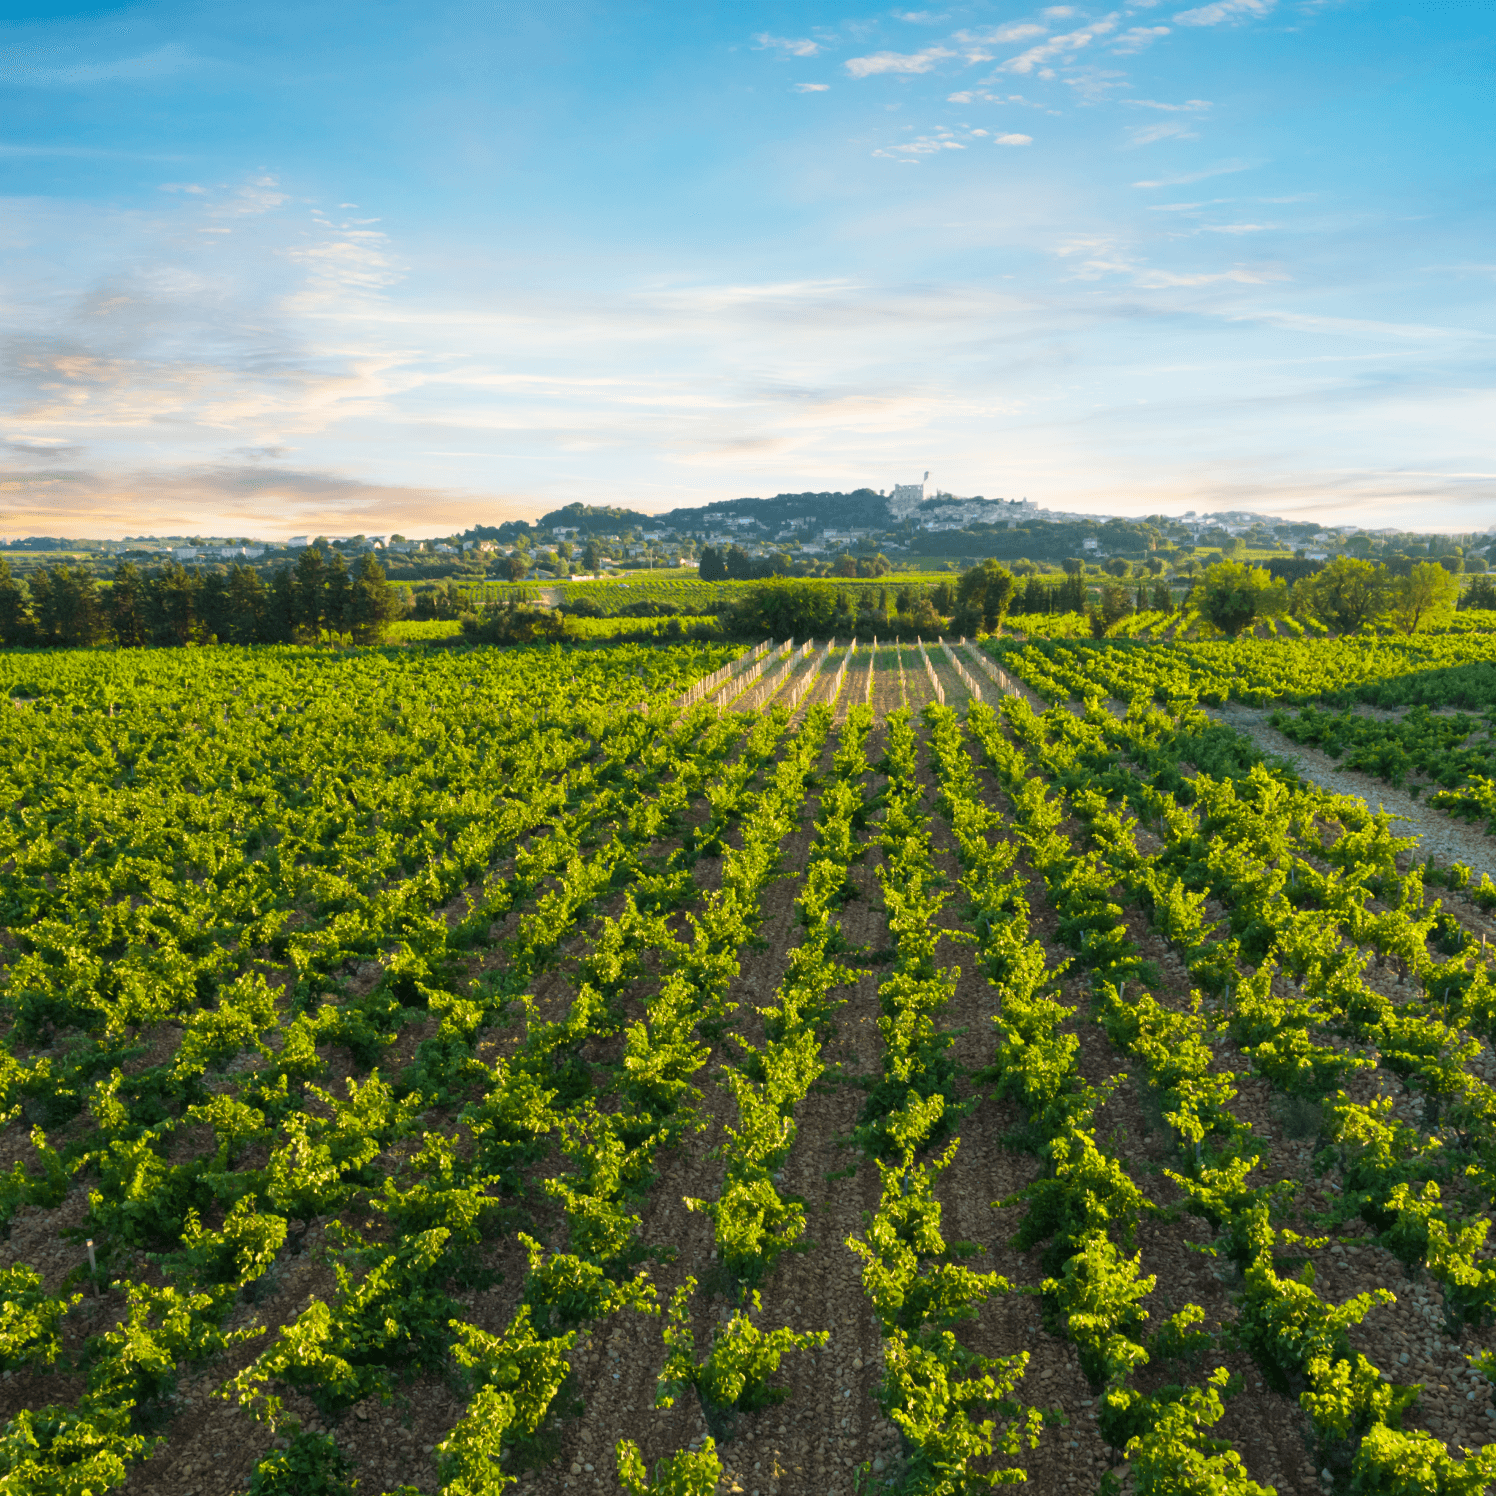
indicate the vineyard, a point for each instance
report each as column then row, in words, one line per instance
column 821, row 1067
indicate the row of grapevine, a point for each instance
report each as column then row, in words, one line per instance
column 565, row 1290
column 808, row 678
column 998, row 676
column 841, row 673
column 1096, row 1293
column 972, row 688
column 936, row 688
column 765, row 657
column 1438, row 746
column 752, row 701
column 708, row 684
column 144, row 1200
column 1290, row 1331
column 931, row 1384
column 1438, row 670
column 753, row 1224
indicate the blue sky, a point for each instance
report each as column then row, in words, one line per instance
column 266, row 269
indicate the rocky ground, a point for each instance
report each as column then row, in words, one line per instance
column 1439, row 834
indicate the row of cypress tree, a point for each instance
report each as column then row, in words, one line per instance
column 318, row 598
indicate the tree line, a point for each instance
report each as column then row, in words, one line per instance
column 733, row 564
column 316, row 599
column 1346, row 596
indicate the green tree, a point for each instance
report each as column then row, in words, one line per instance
column 308, row 592
column 280, row 608
column 592, row 557
column 338, row 594
column 788, row 610
column 1349, row 593
column 1427, row 594
column 65, row 603
column 1480, row 594
column 1070, row 595
column 516, row 564
column 446, row 601
column 983, row 596
column 1233, row 597
column 171, row 605
column 372, row 603
column 16, row 623
column 124, row 605
column 513, row 622
column 214, row 608
column 1115, row 606
column 247, row 607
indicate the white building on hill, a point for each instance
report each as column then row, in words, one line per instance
column 906, row 498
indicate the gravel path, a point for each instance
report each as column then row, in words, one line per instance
column 1447, row 839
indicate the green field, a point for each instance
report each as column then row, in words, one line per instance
column 440, row 1068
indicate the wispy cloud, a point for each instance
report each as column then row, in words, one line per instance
column 1190, row 106
column 897, row 62
column 917, row 17
column 347, row 258
column 791, row 46
column 986, row 36
column 1223, row 11
column 1014, row 140
column 1135, row 38
column 1180, row 179
column 1240, row 275
column 922, row 145
column 1100, row 256
column 251, row 199
column 1234, row 228
column 1356, row 326
column 18, row 70
column 1162, row 129
column 1065, row 44
column 189, row 187
column 811, row 87
column 48, row 448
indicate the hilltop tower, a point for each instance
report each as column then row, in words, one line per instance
column 906, row 498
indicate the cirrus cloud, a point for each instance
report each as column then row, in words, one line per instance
column 1224, row 10
column 791, row 46
column 1059, row 46
column 1136, row 38
column 897, row 62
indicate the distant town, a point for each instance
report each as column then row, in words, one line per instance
column 912, row 526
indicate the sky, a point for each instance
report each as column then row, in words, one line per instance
column 268, row 269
